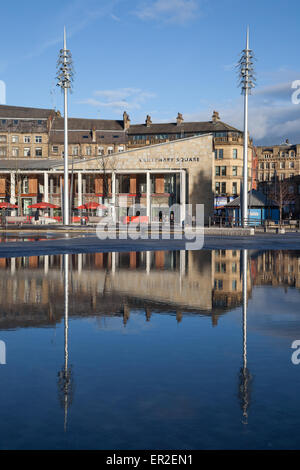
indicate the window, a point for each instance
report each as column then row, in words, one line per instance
column 223, row 188
column 234, row 267
column 267, row 166
column 2, row 138
column 90, row 184
column 223, row 170
column 88, row 150
column 234, row 188
column 169, row 184
column 38, row 152
column 100, row 151
column 282, row 165
column 27, row 139
column 234, row 285
column 234, row 171
column 15, row 139
column 217, row 188
column 75, row 150
column 39, row 122
column 116, row 136
column 2, row 151
column 120, row 148
column 273, row 165
column 291, row 189
column 234, row 154
column 217, row 171
column 3, row 121
column 15, row 121
column 291, row 175
column 15, row 151
column 261, row 165
column 291, row 165
column 25, row 185
column 55, row 148
column 219, row 154
column 110, row 150
column 38, row 139
column 26, row 152
column 223, row 267
column 292, row 154
column 281, row 177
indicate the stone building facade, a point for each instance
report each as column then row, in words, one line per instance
column 278, row 169
column 155, row 178
column 39, row 133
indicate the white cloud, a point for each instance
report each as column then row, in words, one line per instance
column 170, row 11
column 119, row 99
column 272, row 115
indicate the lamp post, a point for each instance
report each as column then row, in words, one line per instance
column 64, row 77
column 247, row 82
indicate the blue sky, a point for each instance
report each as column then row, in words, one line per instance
column 157, row 57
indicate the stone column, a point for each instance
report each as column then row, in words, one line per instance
column 79, row 176
column 13, row 188
column 79, row 257
column 46, row 264
column 148, row 196
column 113, row 262
column 113, row 195
column 46, row 187
column 148, row 261
column 182, row 195
column 13, row 265
column 13, row 191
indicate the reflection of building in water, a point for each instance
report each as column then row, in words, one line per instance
column 227, row 279
column 207, row 282
column 277, row 268
column 104, row 283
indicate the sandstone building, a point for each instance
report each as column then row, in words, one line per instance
column 31, row 153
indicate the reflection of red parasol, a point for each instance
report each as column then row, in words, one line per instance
column 43, row 205
column 7, row 205
column 92, row 205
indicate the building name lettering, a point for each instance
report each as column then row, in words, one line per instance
column 169, row 160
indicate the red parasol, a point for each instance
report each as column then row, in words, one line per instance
column 92, row 205
column 7, row 205
column 43, row 205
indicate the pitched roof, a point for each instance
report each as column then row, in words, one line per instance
column 256, row 199
column 85, row 137
column 19, row 112
column 173, row 128
column 79, row 124
column 29, row 164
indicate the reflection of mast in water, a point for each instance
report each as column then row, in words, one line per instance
column 244, row 376
column 65, row 376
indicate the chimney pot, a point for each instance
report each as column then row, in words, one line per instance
column 179, row 119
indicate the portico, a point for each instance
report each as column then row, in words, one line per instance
column 148, row 181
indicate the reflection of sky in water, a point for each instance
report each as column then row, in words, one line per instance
column 159, row 379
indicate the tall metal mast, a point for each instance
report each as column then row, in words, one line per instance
column 247, row 82
column 64, row 80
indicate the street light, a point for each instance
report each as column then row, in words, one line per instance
column 246, row 82
column 65, row 74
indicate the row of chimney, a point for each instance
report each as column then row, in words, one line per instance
column 148, row 122
column 179, row 119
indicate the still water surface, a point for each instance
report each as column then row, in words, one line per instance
column 175, row 350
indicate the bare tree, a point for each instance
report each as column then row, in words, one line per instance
column 282, row 193
column 107, row 164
